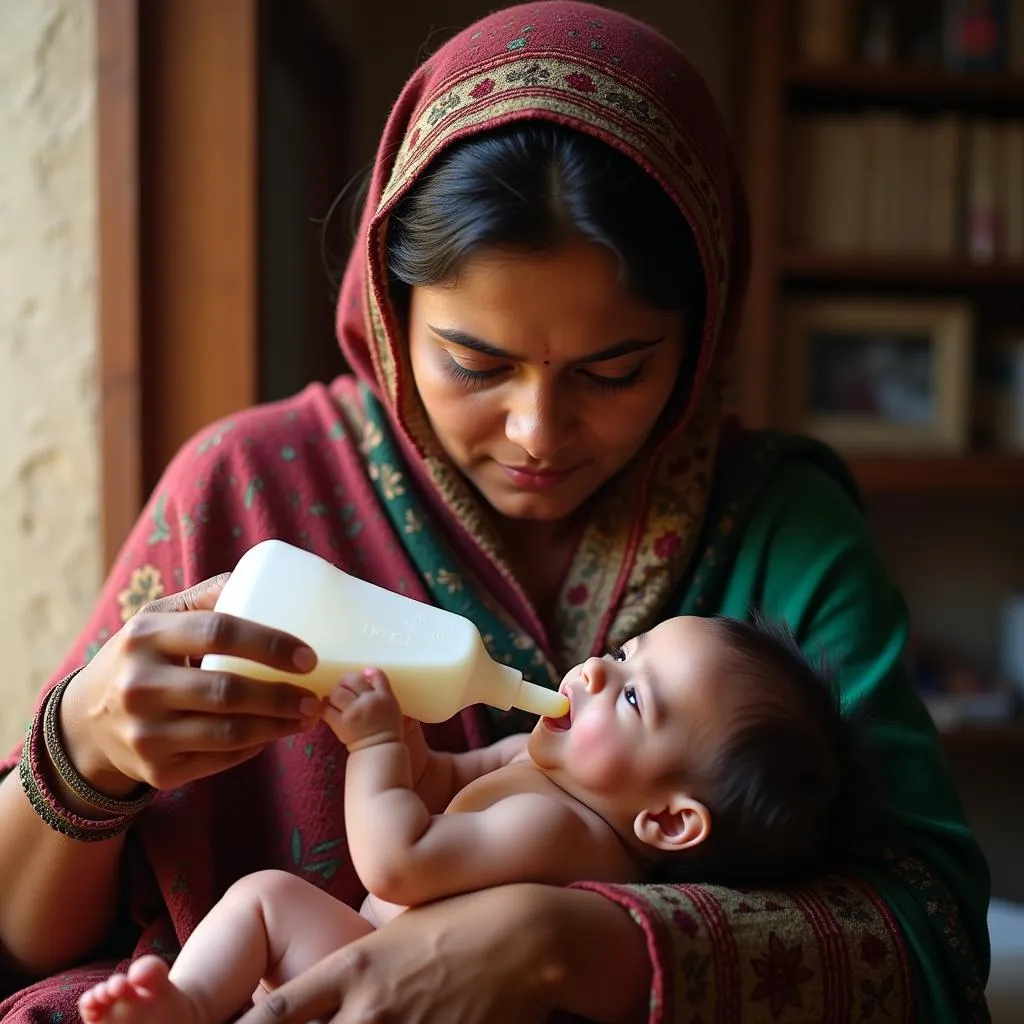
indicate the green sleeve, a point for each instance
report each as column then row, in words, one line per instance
column 806, row 556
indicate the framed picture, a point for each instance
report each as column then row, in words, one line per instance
column 881, row 375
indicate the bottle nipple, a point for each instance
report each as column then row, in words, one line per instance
column 538, row 700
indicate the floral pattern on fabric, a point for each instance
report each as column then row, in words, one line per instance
column 783, row 978
column 933, row 896
column 146, row 585
column 446, row 576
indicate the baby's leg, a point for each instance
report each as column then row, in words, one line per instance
column 270, row 925
column 303, row 924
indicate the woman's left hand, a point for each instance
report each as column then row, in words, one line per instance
column 471, row 959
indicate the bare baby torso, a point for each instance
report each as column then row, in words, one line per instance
column 518, row 777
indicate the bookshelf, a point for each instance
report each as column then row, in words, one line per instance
column 984, row 738
column 981, row 480
column 781, row 91
column 915, row 86
column 922, row 273
column 984, row 474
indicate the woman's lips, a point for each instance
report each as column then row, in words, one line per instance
column 534, row 479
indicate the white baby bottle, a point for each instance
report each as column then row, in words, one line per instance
column 434, row 659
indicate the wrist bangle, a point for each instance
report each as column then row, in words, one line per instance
column 68, row 774
column 35, row 783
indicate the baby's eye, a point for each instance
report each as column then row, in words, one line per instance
column 629, row 693
column 616, row 653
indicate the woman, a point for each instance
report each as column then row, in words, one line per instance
column 537, row 316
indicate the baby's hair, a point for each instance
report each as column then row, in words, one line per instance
column 777, row 783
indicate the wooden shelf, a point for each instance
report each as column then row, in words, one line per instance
column 924, row 86
column 973, row 474
column 999, row 738
column 925, row 272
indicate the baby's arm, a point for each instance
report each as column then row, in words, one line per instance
column 435, row 775
column 527, row 837
column 404, row 854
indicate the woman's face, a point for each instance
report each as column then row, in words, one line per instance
column 541, row 376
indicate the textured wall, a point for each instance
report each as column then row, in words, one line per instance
column 49, row 535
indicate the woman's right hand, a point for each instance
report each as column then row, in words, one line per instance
column 143, row 711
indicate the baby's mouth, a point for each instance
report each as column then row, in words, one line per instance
column 563, row 723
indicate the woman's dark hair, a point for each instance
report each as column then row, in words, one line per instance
column 530, row 187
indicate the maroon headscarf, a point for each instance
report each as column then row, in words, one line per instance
column 612, row 77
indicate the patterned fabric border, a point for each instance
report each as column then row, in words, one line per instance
column 588, row 97
column 457, row 494
column 675, row 499
column 940, row 909
column 678, row 503
column 445, row 574
column 786, row 981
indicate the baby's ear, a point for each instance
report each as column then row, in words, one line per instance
column 684, row 823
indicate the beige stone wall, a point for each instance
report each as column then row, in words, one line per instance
column 49, row 533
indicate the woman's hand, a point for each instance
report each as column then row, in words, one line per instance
column 143, row 711
column 508, row 955
column 467, row 960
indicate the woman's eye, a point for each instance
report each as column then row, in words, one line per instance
column 629, row 694
column 469, row 378
column 613, row 384
column 616, row 653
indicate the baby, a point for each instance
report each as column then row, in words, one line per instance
column 705, row 749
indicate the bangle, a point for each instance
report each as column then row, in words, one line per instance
column 34, row 782
column 68, row 774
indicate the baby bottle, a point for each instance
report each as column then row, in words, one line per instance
column 434, row 659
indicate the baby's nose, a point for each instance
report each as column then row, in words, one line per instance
column 595, row 675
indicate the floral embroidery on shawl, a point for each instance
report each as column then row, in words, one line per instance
column 448, row 577
column 782, row 979
column 146, row 585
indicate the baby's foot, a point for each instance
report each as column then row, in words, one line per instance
column 144, row 996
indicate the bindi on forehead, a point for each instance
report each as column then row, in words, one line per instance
column 547, row 353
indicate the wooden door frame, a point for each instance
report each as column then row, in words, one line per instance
column 177, row 178
column 119, row 371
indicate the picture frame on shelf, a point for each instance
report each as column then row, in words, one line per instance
column 880, row 375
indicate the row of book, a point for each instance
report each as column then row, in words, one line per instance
column 984, row 36
column 885, row 182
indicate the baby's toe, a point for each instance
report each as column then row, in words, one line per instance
column 149, row 973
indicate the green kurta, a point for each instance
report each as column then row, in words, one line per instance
column 807, row 556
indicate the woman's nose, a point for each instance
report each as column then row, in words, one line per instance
column 536, row 424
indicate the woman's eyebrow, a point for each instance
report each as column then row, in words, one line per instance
column 466, row 340
column 622, row 348
column 453, row 334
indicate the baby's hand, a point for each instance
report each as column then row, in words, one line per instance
column 362, row 711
